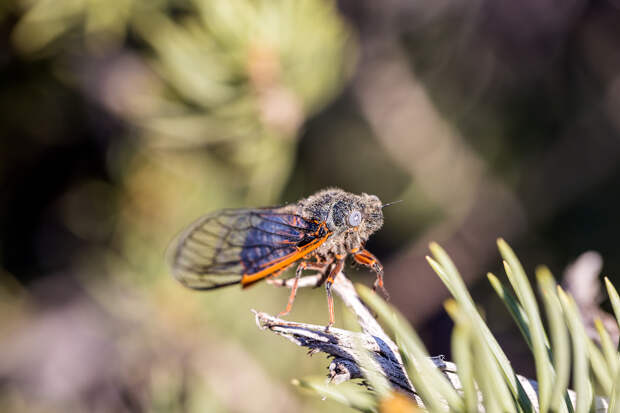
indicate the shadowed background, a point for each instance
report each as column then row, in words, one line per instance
column 124, row 120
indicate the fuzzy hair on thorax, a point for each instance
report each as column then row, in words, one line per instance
column 334, row 207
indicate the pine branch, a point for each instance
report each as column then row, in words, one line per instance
column 346, row 347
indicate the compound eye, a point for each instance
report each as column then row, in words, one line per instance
column 355, row 218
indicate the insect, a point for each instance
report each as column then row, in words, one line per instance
column 233, row 246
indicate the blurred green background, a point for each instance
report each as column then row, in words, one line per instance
column 124, row 120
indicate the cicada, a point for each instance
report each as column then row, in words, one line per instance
column 243, row 246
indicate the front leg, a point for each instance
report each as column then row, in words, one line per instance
column 366, row 258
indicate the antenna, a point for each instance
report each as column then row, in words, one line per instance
column 391, row 203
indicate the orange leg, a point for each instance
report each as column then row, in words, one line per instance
column 364, row 257
column 328, row 288
column 302, row 266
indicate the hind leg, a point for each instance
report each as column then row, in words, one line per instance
column 304, row 265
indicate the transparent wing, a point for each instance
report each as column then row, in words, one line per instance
column 228, row 246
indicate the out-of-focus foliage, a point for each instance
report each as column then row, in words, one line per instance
column 239, row 65
column 226, row 73
column 103, row 23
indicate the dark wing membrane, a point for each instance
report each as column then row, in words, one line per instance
column 220, row 248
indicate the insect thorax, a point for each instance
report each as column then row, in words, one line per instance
column 334, row 208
